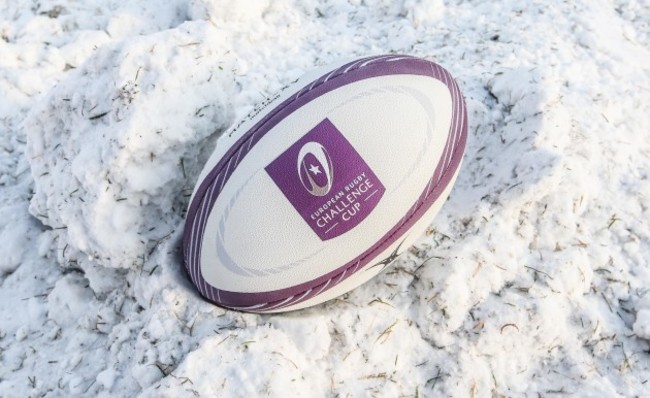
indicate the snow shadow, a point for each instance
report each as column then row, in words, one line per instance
column 505, row 155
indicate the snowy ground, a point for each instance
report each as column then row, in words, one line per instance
column 533, row 281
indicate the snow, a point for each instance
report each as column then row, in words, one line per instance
column 534, row 279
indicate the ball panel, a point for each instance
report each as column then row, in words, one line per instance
column 214, row 180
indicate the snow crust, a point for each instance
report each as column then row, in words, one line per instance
column 534, row 280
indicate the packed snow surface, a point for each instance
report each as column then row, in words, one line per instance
column 534, row 280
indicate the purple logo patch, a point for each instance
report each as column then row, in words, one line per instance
column 327, row 181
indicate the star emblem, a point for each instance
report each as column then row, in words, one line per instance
column 385, row 262
column 314, row 169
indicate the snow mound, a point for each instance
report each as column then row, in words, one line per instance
column 115, row 162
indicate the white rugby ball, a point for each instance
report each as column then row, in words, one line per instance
column 325, row 184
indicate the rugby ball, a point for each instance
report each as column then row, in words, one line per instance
column 324, row 184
